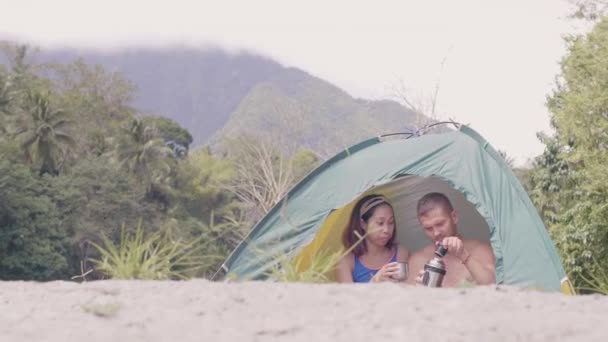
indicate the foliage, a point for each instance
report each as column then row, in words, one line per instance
column 98, row 99
column 5, row 101
column 590, row 10
column 93, row 90
column 154, row 257
column 142, row 152
column 33, row 241
column 6, row 95
column 303, row 162
column 569, row 183
column 597, row 282
column 176, row 137
column 76, row 164
column 264, row 174
column 200, row 191
column 45, row 137
column 322, row 264
column 95, row 197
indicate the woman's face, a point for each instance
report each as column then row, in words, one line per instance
column 381, row 225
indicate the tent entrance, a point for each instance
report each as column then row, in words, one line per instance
column 403, row 193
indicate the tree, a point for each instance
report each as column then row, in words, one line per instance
column 201, row 184
column 121, row 171
column 570, row 183
column 200, row 193
column 99, row 100
column 33, row 240
column 302, row 163
column 96, row 198
column 14, row 84
column 591, row 10
column 264, row 174
column 45, row 138
column 18, row 61
column 143, row 152
column 176, row 137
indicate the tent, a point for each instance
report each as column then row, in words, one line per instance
column 492, row 204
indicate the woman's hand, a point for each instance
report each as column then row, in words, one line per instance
column 386, row 273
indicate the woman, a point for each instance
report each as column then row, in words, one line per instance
column 371, row 236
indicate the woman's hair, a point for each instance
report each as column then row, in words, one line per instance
column 363, row 210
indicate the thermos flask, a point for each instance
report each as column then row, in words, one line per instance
column 434, row 269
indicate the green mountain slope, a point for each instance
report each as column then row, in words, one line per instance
column 295, row 107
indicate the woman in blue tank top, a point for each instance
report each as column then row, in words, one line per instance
column 371, row 235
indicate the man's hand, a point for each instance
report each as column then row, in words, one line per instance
column 419, row 278
column 456, row 247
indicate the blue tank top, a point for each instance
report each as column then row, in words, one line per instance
column 362, row 274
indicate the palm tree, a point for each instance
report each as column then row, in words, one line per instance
column 143, row 152
column 45, row 137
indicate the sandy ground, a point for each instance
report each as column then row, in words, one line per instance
column 113, row 311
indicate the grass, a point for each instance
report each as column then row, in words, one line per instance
column 322, row 264
column 153, row 257
column 597, row 282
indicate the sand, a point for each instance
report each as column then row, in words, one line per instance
column 198, row 310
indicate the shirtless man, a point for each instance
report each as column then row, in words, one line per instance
column 467, row 260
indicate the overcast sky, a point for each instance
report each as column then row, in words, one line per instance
column 499, row 58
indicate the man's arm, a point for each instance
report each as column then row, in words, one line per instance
column 416, row 264
column 480, row 262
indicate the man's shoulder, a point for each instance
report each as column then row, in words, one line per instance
column 479, row 248
column 477, row 244
column 424, row 252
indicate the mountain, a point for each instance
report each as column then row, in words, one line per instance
column 296, row 106
column 214, row 94
column 197, row 88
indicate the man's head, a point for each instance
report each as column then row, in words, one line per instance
column 437, row 216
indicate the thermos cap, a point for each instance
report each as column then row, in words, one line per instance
column 441, row 251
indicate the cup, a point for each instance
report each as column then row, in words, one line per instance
column 403, row 272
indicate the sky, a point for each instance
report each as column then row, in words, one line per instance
column 495, row 61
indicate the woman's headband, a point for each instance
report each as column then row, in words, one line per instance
column 370, row 203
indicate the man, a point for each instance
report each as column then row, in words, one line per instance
column 466, row 261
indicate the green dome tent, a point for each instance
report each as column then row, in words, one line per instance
column 492, row 204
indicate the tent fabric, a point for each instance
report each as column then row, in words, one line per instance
column 492, row 203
